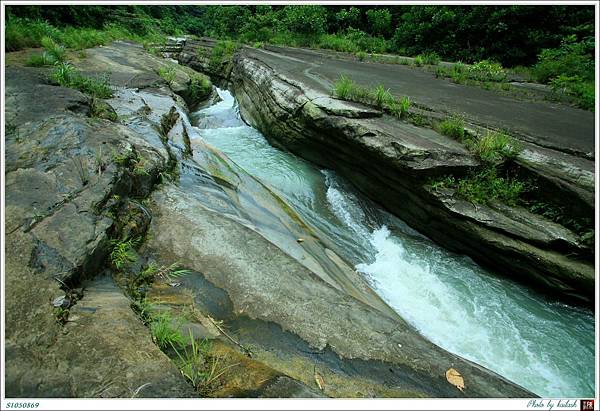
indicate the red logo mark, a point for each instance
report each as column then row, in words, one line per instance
column 586, row 405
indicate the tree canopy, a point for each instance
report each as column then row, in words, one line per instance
column 511, row 35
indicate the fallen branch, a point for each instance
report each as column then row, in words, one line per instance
column 246, row 350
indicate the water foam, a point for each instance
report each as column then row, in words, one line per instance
column 546, row 347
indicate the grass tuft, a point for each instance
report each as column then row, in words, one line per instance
column 167, row 74
column 453, row 127
column 431, row 59
column 483, row 187
column 380, row 97
column 200, row 368
column 164, row 334
column 494, row 147
column 55, row 51
column 67, row 76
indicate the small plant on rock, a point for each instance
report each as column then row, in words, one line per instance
column 164, row 334
column 39, row 60
column 343, row 87
column 63, row 74
column 54, row 51
column 361, row 56
column 199, row 87
column 382, row 96
column 429, row 58
column 81, row 166
column 494, row 147
column 483, row 187
column 167, row 74
column 404, row 105
column 200, row 368
column 123, row 252
column 453, row 127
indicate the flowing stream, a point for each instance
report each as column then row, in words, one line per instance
column 546, row 347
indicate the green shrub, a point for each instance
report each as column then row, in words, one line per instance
column 167, row 74
column 24, row 33
column 83, row 38
column 577, row 87
column 39, row 60
column 336, row 42
column 309, row 20
column 382, row 96
column 453, row 127
column 494, row 147
column 54, row 51
column 486, row 70
column 484, row 187
column 199, row 88
column 365, row 42
column 380, row 21
column 429, row 58
column 221, row 53
column 569, row 69
column 361, row 56
column 164, row 334
column 572, row 58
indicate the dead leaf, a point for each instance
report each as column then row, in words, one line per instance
column 455, row 379
column 319, row 381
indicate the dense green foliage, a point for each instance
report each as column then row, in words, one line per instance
column 67, row 76
column 486, row 186
column 511, row 35
column 558, row 39
column 569, row 69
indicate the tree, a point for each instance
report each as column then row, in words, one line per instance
column 380, row 22
column 307, row 19
column 346, row 18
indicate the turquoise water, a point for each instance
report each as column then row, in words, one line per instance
column 544, row 346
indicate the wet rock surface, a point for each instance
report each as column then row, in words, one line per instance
column 274, row 309
column 61, row 172
column 392, row 162
column 74, row 183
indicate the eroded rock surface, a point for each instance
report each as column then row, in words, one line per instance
column 74, row 183
column 61, row 175
column 392, row 162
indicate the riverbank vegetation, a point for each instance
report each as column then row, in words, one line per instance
column 379, row 97
column 553, row 45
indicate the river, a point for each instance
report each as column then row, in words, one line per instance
column 545, row 346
